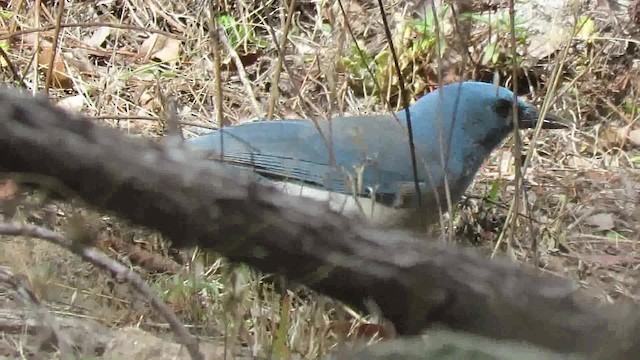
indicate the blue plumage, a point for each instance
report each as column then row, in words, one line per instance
column 454, row 129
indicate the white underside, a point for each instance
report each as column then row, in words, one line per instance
column 349, row 205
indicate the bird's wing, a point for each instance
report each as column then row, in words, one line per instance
column 291, row 149
column 370, row 151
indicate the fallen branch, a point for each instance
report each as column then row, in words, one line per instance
column 416, row 284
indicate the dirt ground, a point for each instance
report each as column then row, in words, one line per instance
column 123, row 62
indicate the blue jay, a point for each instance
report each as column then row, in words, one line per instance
column 362, row 164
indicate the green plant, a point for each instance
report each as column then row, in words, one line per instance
column 423, row 31
column 417, row 45
column 357, row 61
column 179, row 289
column 500, row 47
column 240, row 33
column 5, row 15
column 492, row 195
column 631, row 107
column 585, row 28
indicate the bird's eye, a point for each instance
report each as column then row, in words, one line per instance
column 503, row 107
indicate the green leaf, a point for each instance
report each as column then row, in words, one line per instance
column 635, row 159
column 489, row 54
column 493, row 192
column 5, row 15
column 614, row 235
column 586, row 28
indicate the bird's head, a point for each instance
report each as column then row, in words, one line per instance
column 478, row 112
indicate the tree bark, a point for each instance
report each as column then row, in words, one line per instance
column 414, row 283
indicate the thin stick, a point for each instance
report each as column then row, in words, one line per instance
column 214, row 33
column 275, row 89
column 54, row 48
column 243, row 75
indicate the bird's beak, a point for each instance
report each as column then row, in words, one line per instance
column 529, row 120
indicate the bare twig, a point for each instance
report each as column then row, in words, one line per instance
column 214, row 34
column 54, row 48
column 275, row 88
column 248, row 87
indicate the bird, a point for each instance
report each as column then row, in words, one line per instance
column 362, row 165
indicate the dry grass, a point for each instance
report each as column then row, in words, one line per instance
column 126, row 60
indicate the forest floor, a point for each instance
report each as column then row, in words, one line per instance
column 124, row 62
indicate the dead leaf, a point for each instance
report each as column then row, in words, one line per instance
column 634, row 137
column 170, row 52
column 146, row 100
column 160, row 47
column 98, row 37
column 59, row 74
column 79, row 59
column 614, row 137
column 246, row 59
column 30, row 39
column 149, row 46
column 546, row 44
column 601, row 222
column 72, row 103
